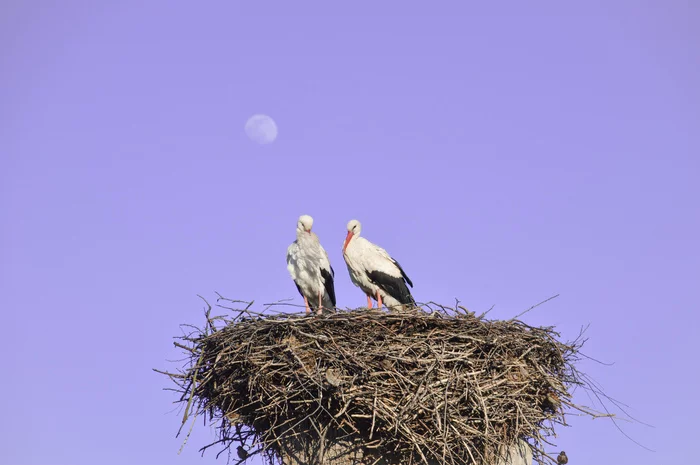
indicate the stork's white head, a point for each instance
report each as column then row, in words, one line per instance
column 354, row 229
column 305, row 223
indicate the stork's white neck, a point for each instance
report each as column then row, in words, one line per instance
column 305, row 235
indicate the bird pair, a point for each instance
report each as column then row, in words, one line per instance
column 371, row 269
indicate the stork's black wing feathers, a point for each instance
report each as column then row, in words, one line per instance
column 403, row 273
column 328, row 283
column 392, row 285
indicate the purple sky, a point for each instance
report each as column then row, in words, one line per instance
column 502, row 153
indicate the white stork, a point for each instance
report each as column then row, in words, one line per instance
column 374, row 271
column 310, row 268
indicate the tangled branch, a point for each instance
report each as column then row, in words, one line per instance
column 430, row 384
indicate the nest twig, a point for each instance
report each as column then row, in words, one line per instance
column 432, row 384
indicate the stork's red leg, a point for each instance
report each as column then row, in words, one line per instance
column 369, row 302
column 320, row 302
column 306, row 302
column 379, row 300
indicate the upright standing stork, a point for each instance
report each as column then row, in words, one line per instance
column 374, row 271
column 308, row 264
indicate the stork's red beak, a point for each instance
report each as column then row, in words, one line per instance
column 347, row 240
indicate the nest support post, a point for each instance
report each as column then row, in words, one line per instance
column 353, row 452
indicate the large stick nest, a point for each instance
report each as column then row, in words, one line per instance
column 429, row 384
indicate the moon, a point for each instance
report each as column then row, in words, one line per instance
column 261, row 129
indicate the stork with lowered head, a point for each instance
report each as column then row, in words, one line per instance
column 308, row 264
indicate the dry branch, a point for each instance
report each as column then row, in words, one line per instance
column 433, row 384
